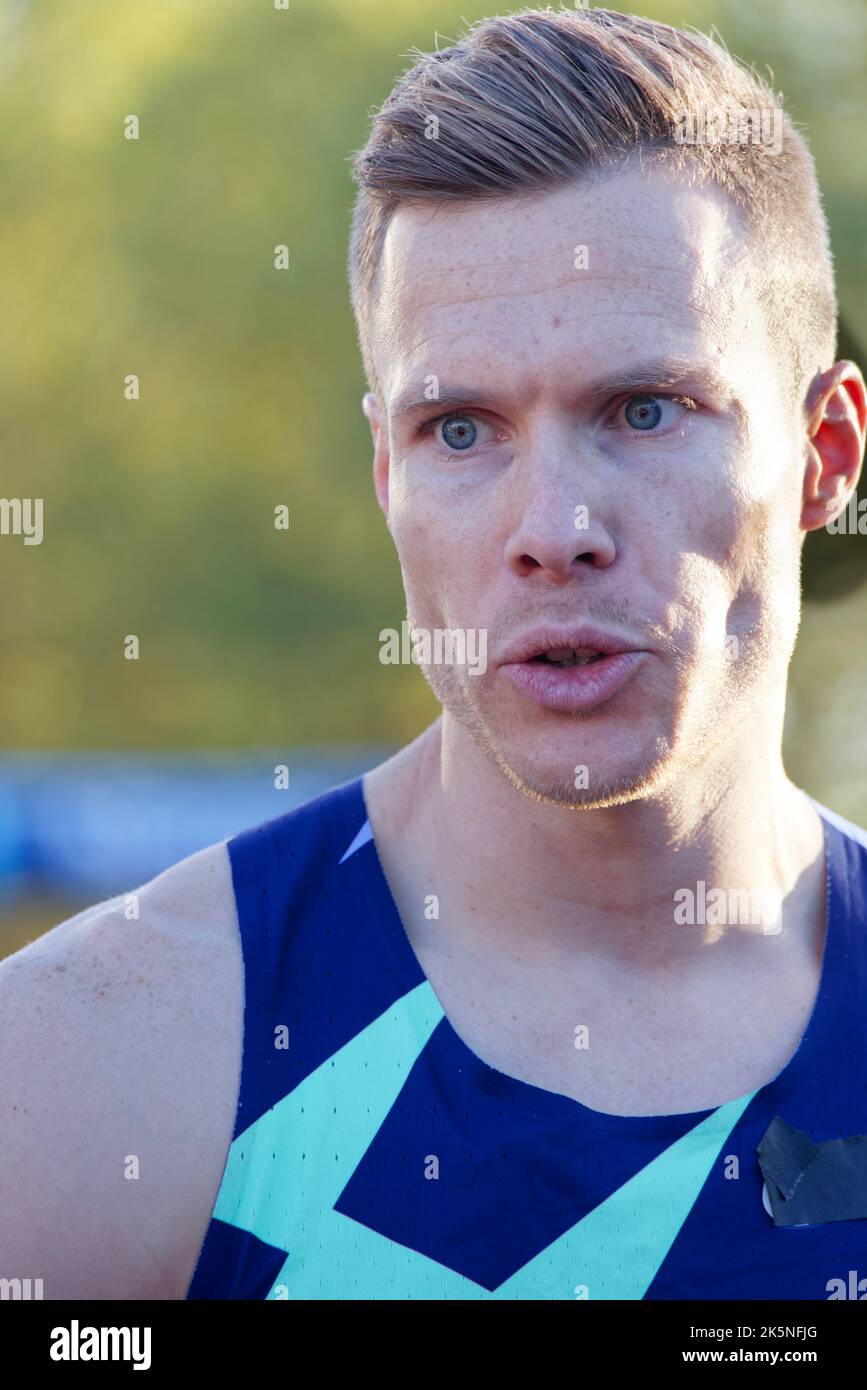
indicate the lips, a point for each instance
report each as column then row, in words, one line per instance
column 572, row 669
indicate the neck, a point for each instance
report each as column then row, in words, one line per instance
column 555, row 877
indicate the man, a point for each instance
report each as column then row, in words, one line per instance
column 494, row 1020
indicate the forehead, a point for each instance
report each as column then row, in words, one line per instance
column 505, row 285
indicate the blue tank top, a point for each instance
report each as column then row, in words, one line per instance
column 375, row 1156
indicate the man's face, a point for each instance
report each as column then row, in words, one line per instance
column 635, row 380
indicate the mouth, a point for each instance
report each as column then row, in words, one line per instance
column 567, row 657
column 571, row 678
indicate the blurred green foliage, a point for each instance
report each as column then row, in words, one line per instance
column 155, row 257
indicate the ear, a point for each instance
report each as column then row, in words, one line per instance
column 372, row 407
column 836, row 422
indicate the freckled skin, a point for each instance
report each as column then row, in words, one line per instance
column 694, row 536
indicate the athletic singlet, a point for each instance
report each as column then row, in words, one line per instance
column 375, row 1156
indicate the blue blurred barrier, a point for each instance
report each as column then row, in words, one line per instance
column 91, row 825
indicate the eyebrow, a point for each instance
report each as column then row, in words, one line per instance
column 664, row 373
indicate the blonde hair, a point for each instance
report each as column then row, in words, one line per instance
column 534, row 100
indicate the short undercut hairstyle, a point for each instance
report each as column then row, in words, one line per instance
column 535, row 100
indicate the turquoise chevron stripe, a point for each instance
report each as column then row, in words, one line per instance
column 287, row 1170
column 281, row 1169
column 616, row 1250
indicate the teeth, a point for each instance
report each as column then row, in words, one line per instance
column 566, row 656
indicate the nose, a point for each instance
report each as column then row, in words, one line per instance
column 559, row 527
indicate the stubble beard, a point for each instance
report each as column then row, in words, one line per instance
column 450, row 689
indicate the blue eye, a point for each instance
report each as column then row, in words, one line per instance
column 459, row 432
column 643, row 412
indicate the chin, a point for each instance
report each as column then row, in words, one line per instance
column 621, row 766
column 614, row 790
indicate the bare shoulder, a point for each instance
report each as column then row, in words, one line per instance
column 120, row 1053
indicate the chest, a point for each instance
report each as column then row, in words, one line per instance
column 629, row 1049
